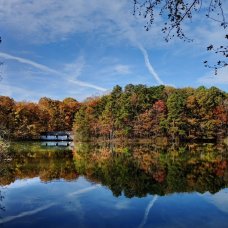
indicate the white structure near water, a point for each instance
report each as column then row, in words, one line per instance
column 57, row 136
column 69, row 144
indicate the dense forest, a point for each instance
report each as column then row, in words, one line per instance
column 137, row 111
column 26, row 120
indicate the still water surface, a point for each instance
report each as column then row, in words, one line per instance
column 139, row 185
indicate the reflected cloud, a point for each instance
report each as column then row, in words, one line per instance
column 23, row 183
column 220, row 200
column 122, row 205
column 74, row 206
column 77, row 208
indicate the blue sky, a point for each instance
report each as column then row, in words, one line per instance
column 79, row 48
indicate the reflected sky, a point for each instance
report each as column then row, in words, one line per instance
column 85, row 204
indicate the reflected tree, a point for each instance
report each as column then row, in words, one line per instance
column 138, row 170
column 33, row 160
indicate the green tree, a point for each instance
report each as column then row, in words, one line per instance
column 176, row 106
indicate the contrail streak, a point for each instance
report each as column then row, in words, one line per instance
column 84, row 190
column 150, row 205
column 50, row 70
column 29, row 62
column 131, row 35
column 149, row 65
column 84, row 84
column 26, row 213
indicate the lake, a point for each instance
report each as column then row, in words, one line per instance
column 115, row 185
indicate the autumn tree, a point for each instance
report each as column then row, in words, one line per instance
column 53, row 109
column 68, row 107
column 59, row 114
column 148, row 112
column 135, row 111
column 28, row 121
column 7, row 106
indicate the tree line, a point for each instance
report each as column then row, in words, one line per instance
column 138, row 111
column 26, row 120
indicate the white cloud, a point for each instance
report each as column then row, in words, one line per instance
column 22, row 93
column 122, row 69
column 75, row 69
column 45, row 21
column 211, row 79
column 50, row 20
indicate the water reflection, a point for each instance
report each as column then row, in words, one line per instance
column 138, row 170
column 133, row 169
column 83, row 204
column 57, row 144
column 156, row 186
column 31, row 160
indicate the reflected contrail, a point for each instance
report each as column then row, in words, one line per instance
column 32, row 212
column 84, row 190
column 150, row 205
column 26, row 213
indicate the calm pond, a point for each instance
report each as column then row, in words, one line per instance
column 140, row 185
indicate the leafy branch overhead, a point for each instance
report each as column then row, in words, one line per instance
column 176, row 12
column 222, row 50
